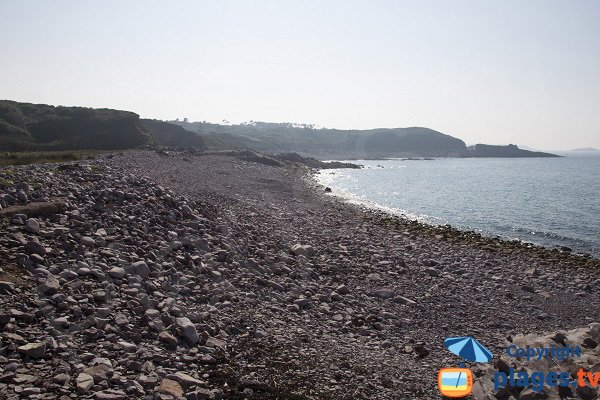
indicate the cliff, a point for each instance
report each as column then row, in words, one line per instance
column 171, row 135
column 31, row 127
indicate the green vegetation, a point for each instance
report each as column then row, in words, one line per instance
column 307, row 139
column 511, row 150
column 40, row 127
column 171, row 135
column 335, row 143
column 5, row 183
column 35, row 185
column 36, row 157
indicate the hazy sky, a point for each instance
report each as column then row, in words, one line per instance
column 524, row 72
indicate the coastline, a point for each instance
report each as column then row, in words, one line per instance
column 448, row 232
column 428, row 224
column 293, row 293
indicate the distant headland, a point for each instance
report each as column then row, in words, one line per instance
column 40, row 127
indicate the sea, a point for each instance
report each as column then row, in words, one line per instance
column 553, row 202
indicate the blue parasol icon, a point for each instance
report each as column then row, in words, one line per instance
column 469, row 349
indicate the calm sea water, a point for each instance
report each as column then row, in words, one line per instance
column 547, row 201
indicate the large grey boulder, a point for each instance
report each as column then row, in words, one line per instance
column 141, row 269
column 32, row 225
column 302, row 250
column 188, row 330
column 84, row 383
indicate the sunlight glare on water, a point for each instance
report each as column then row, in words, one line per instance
column 548, row 201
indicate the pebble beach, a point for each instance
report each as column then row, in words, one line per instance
column 178, row 274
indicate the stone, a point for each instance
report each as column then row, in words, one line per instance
column 188, row 330
column 277, row 286
column 199, row 394
column 342, row 289
column 374, row 277
column 420, row 350
column 404, row 300
column 102, row 360
column 60, row 322
column 585, row 392
column 214, row 342
column 6, row 287
column 141, row 269
column 110, row 394
column 302, row 303
column 116, row 273
column 170, row 387
column 527, row 288
column 121, row 319
column 207, row 359
column 187, row 211
column 384, row 293
column 88, row 241
column 33, row 350
column 34, row 247
column 589, row 343
column 32, row 225
column 260, row 333
column 128, row 347
column 21, row 196
column 7, row 377
column 61, row 379
column 302, row 250
column 24, row 187
column 22, row 316
column 100, row 372
column 49, row 285
column 84, row 383
column 30, row 392
column 168, row 339
column 68, row 274
column 151, row 313
column 185, row 380
column 99, row 296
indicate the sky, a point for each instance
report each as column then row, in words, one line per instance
column 497, row 72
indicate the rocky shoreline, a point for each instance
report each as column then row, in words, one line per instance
column 147, row 275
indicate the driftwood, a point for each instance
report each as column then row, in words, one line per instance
column 36, row 209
